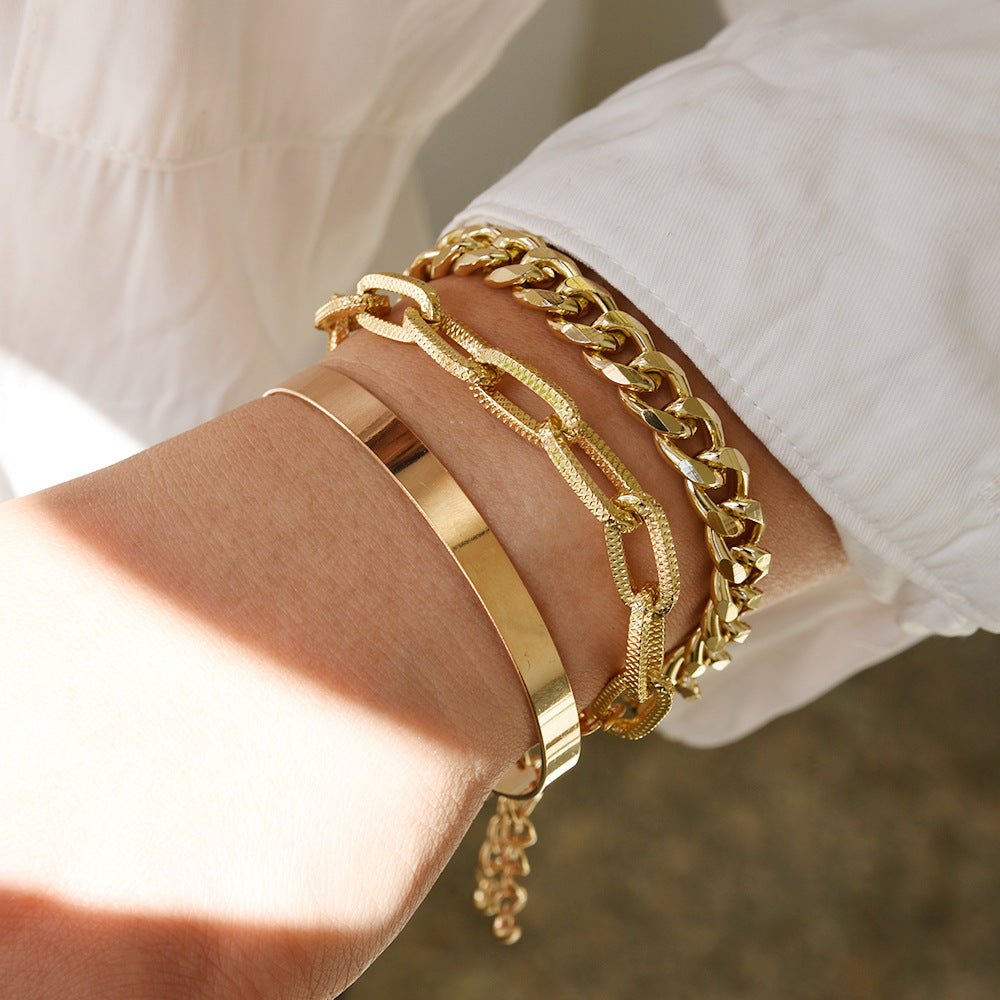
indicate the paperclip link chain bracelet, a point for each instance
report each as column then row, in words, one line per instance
column 502, row 858
column 716, row 476
column 638, row 685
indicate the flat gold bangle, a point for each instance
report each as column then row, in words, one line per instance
column 486, row 566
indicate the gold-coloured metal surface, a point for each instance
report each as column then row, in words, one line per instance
column 716, row 476
column 477, row 552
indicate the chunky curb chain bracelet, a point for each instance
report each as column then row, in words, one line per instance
column 716, row 477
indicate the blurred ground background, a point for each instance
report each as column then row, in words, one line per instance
column 847, row 851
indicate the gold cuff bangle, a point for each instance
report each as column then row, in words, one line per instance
column 484, row 563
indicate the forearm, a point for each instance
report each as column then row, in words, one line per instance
column 232, row 697
column 283, row 705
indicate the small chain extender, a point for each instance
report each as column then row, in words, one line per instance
column 716, row 477
column 639, row 685
column 502, row 861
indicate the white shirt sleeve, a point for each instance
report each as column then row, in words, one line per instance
column 181, row 183
column 810, row 208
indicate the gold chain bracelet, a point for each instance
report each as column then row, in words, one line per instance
column 716, row 477
column 638, row 685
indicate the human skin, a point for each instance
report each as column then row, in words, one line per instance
column 248, row 705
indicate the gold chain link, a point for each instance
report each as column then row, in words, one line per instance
column 502, row 861
column 716, row 476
